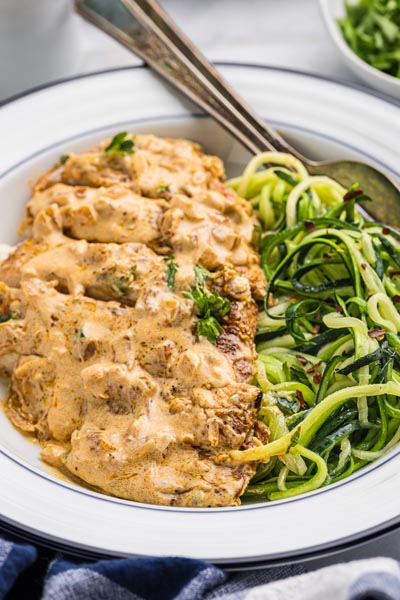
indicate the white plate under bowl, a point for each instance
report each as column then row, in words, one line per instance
column 323, row 118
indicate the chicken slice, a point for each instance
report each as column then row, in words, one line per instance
column 185, row 476
column 107, row 367
column 89, row 364
column 112, row 214
column 197, row 232
column 155, row 168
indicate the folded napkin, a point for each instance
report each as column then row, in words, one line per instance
column 187, row 579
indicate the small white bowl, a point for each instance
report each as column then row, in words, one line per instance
column 335, row 9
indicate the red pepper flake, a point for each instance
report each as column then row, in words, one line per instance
column 317, row 377
column 396, row 298
column 339, row 308
column 309, row 226
column 377, row 333
column 364, row 266
column 345, row 353
column 301, row 359
column 301, row 400
column 316, row 329
column 326, row 256
column 314, row 367
column 394, row 273
column 352, row 194
column 386, row 231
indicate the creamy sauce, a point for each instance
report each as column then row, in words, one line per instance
column 104, row 362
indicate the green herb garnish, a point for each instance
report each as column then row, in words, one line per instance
column 372, row 30
column 162, row 188
column 170, row 270
column 61, row 160
column 119, row 145
column 209, row 328
column 12, row 314
column 120, row 282
column 201, row 275
column 211, row 307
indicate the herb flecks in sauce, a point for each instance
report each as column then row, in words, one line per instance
column 170, row 271
column 120, row 282
column 120, row 144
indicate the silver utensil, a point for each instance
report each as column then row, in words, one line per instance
column 144, row 27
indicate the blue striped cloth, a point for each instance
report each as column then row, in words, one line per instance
column 186, row 579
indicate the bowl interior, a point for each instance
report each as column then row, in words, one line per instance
column 15, row 191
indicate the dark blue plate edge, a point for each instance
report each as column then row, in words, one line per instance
column 273, row 560
column 223, row 63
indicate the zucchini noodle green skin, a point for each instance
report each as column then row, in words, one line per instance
column 328, row 334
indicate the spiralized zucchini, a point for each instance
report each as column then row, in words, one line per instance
column 328, row 332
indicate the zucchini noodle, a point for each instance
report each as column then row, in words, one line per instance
column 328, row 338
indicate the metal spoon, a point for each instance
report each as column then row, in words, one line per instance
column 144, row 27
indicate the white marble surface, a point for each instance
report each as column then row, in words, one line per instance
column 288, row 33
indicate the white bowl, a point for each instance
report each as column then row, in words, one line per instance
column 335, row 9
column 322, row 118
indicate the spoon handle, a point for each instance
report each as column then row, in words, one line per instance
column 154, row 37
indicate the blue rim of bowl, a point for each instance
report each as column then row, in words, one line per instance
column 344, row 543
column 223, row 63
